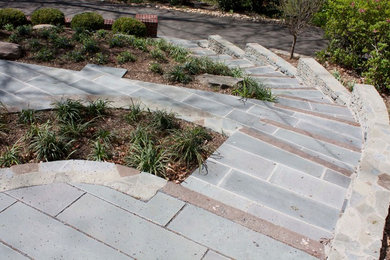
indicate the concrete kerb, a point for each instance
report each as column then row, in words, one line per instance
column 359, row 231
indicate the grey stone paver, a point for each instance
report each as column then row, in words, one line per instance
column 51, row 199
column 337, row 178
column 130, row 234
column 309, row 186
column 244, row 161
column 176, row 93
column 10, row 254
column 269, row 70
column 265, row 113
column 221, row 235
column 212, row 255
column 331, row 150
column 5, row 201
column 205, row 104
column 10, row 99
column 250, row 120
column 239, row 63
column 278, row 81
column 275, row 154
column 10, row 84
column 94, row 88
column 54, row 86
column 213, row 172
column 160, row 209
column 288, row 222
column 42, row 237
column 117, row 72
column 282, row 200
column 17, row 70
column 118, row 85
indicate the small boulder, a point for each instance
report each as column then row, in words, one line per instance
column 10, row 51
column 43, row 26
column 222, row 82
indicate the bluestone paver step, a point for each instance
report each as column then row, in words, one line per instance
column 37, row 235
column 115, row 72
column 129, row 233
column 306, row 93
column 206, row 228
column 263, row 71
column 295, row 149
column 254, row 208
column 11, row 254
column 18, row 70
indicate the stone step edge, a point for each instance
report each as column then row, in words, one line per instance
column 298, row 241
column 309, row 100
column 116, row 176
column 315, row 136
column 291, row 149
column 318, row 114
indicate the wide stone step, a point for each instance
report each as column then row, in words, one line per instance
column 294, row 153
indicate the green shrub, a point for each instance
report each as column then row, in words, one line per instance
column 101, row 33
column 134, row 114
column 158, row 55
column 118, row 40
column 190, row 145
column 69, row 110
column 130, row 26
column 179, row 74
column 27, row 117
column 125, row 56
column 48, row 16
column 87, row 21
column 156, row 68
column 9, row 27
column 97, row 108
column 202, row 65
column 90, row 45
column 99, row 152
column 101, row 58
column 267, row 7
column 12, row 16
column 75, row 55
column 162, row 120
column 249, row 88
column 10, row 156
column 23, row 30
column 44, row 54
column 359, row 37
column 62, row 43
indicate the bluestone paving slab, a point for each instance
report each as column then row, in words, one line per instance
column 131, row 234
column 261, row 70
column 5, row 201
column 205, row 104
column 333, row 110
column 160, row 209
column 11, row 85
column 227, row 197
column 337, row 178
column 278, row 80
column 54, row 86
column 308, row 186
column 89, row 73
column 233, row 101
column 329, row 133
column 18, row 71
column 288, row 222
column 220, row 57
column 331, row 150
column 340, row 127
column 251, row 121
column 43, row 237
column 238, row 63
column 51, row 199
column 212, row 255
column 229, row 238
column 63, row 75
column 212, row 172
column 260, row 104
column 10, row 99
column 280, row 199
column 332, row 160
column 10, row 254
column 93, row 88
column 116, row 72
column 275, row 154
column 244, row 161
column 117, row 85
column 176, row 93
column 294, row 103
column 202, row 52
column 266, row 113
column 310, row 94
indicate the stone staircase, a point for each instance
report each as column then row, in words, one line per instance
column 289, row 163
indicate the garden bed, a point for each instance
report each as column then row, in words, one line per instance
column 154, row 142
column 152, row 60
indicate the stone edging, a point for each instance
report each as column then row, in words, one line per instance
column 124, row 179
column 258, row 53
column 313, row 74
column 220, row 45
column 359, row 231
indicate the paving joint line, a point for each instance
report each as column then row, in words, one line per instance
column 176, row 214
column 15, row 249
column 70, row 204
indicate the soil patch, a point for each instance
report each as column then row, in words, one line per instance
column 112, row 136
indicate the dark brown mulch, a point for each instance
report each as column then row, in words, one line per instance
column 119, row 146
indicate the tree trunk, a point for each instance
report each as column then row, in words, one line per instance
column 293, row 47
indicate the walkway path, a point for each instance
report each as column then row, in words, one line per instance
column 189, row 25
column 285, row 164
